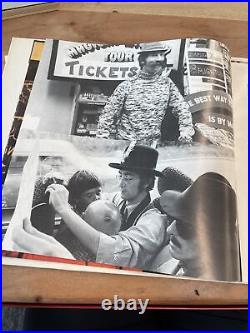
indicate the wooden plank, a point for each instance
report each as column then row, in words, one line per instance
column 54, row 286
column 222, row 10
column 110, row 24
column 124, row 28
column 231, row 10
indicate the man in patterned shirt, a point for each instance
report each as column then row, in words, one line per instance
column 137, row 107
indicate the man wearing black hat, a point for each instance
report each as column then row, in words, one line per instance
column 142, row 232
column 136, row 179
column 137, row 107
column 143, row 227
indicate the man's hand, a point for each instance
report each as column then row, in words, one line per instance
column 58, row 197
column 26, row 238
column 185, row 139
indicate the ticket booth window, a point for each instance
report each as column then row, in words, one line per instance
column 88, row 106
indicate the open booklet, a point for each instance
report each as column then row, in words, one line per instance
column 126, row 156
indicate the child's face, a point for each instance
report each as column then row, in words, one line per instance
column 104, row 216
column 87, row 197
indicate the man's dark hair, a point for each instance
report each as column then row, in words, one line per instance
column 80, row 182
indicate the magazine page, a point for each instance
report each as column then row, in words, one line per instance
column 148, row 130
column 240, row 106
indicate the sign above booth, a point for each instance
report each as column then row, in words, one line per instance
column 93, row 61
column 100, row 61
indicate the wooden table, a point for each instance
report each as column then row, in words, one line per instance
column 130, row 22
column 119, row 23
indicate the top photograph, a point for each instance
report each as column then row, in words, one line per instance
column 175, row 92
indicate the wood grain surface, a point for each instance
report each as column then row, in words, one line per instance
column 114, row 27
column 124, row 23
column 221, row 10
column 47, row 285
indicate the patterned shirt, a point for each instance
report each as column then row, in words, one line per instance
column 137, row 107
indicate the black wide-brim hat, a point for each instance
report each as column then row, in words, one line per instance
column 140, row 159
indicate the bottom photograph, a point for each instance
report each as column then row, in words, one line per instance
column 169, row 210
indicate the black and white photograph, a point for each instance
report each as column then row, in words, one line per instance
column 125, row 204
column 122, row 160
column 124, row 166
column 164, row 93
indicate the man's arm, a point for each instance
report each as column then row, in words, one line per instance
column 112, row 112
column 180, row 109
column 133, row 247
column 87, row 235
column 136, row 246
